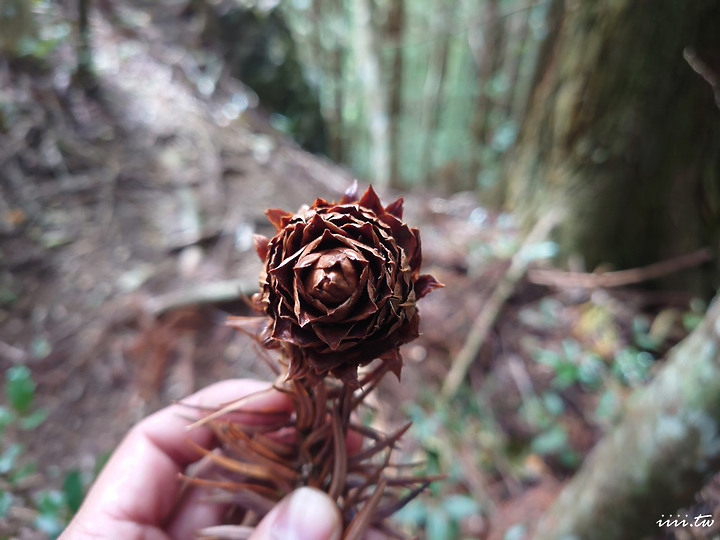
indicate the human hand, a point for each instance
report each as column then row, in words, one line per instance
column 138, row 493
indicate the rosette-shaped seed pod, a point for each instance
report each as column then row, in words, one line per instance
column 340, row 285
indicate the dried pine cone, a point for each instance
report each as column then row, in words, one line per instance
column 340, row 285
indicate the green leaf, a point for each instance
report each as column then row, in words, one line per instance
column 535, row 413
column 692, row 320
column 554, row 404
column 73, row 490
column 516, row 532
column 641, row 334
column 6, row 417
column 609, row 406
column 549, row 358
column 438, row 525
column 591, row 370
column 551, row 441
column 100, row 462
column 632, row 366
column 50, row 524
column 460, row 506
column 33, row 420
column 572, row 349
column 412, row 513
column 570, row 458
column 9, row 457
column 6, row 500
column 566, row 374
column 19, row 388
column 40, row 347
column 50, row 501
column 23, row 472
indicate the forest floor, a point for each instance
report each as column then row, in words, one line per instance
column 126, row 222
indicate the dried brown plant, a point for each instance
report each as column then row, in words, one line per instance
column 339, row 291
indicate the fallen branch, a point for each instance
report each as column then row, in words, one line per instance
column 582, row 280
column 205, row 293
column 69, row 185
column 489, row 312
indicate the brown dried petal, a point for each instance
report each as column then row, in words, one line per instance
column 262, row 244
column 395, row 208
column 426, row 283
column 332, row 279
column 276, row 216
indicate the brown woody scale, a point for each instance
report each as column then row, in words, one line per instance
column 339, row 287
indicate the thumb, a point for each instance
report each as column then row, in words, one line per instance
column 306, row 514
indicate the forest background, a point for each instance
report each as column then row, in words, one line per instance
column 561, row 158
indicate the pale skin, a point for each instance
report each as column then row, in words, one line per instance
column 138, row 495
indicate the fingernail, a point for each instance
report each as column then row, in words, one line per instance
column 307, row 514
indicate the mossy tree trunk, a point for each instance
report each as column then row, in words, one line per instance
column 666, row 447
column 623, row 132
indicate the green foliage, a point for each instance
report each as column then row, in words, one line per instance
column 439, row 517
column 543, row 413
column 19, row 388
column 572, row 365
column 439, row 427
column 33, row 29
column 595, row 370
column 33, row 420
column 6, row 417
column 73, row 490
column 9, row 457
column 54, row 507
column 6, row 500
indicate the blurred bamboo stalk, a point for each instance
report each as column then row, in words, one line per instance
column 487, row 49
column 394, row 31
column 374, row 93
column 433, row 92
column 414, row 93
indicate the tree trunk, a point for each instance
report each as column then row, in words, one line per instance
column 623, row 132
column 85, row 73
column 666, row 447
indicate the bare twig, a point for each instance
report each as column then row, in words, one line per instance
column 486, row 318
column 12, row 353
column 582, row 280
column 704, row 70
column 69, row 185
